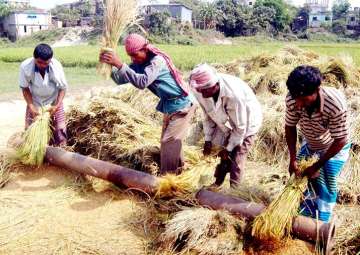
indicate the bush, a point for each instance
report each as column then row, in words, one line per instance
column 160, row 23
column 339, row 27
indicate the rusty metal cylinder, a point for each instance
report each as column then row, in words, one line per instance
column 304, row 228
column 118, row 175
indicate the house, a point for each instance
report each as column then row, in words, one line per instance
column 319, row 13
column 316, row 19
column 149, row 2
column 249, row 3
column 178, row 12
column 353, row 19
column 23, row 23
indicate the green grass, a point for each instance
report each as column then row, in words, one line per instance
column 80, row 61
column 9, row 73
column 185, row 57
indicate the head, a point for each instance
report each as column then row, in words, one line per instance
column 43, row 55
column 135, row 46
column 205, row 80
column 303, row 84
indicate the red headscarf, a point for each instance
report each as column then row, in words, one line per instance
column 136, row 42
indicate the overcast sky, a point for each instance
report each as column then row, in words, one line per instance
column 47, row 4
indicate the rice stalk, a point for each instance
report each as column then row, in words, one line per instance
column 275, row 222
column 35, row 139
column 118, row 15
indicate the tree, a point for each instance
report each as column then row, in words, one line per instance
column 263, row 16
column 85, row 9
column 341, row 9
column 301, row 20
column 160, row 23
column 209, row 14
column 282, row 16
column 66, row 14
column 4, row 9
column 230, row 19
column 339, row 27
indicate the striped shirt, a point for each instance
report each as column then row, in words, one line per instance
column 325, row 124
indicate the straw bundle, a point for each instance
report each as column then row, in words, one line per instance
column 35, row 139
column 118, row 15
column 203, row 231
column 276, row 221
column 189, row 180
column 111, row 130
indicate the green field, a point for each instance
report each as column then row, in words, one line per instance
column 80, row 61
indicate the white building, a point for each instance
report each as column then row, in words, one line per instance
column 320, row 13
column 23, row 23
column 247, row 2
column 150, row 2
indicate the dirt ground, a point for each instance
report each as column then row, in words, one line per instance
column 49, row 210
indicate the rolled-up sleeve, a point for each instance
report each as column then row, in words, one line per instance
column 126, row 74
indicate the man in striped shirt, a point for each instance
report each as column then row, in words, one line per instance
column 321, row 113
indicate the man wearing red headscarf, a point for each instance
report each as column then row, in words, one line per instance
column 153, row 69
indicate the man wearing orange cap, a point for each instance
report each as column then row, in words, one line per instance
column 233, row 116
column 153, row 69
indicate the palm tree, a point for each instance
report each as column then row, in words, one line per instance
column 208, row 13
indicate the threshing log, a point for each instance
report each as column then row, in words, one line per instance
column 118, row 175
column 304, row 228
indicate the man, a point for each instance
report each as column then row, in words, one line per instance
column 153, row 69
column 43, row 84
column 321, row 113
column 233, row 116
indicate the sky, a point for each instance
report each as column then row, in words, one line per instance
column 47, row 4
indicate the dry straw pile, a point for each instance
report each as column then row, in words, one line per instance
column 267, row 75
column 203, row 231
column 119, row 14
column 118, row 130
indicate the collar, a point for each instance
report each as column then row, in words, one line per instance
column 37, row 70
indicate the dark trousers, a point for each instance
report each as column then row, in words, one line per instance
column 235, row 165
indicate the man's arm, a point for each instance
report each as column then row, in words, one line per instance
column 238, row 118
column 334, row 149
column 124, row 74
column 58, row 102
column 28, row 98
column 291, row 140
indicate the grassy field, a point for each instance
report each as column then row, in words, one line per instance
column 80, row 61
